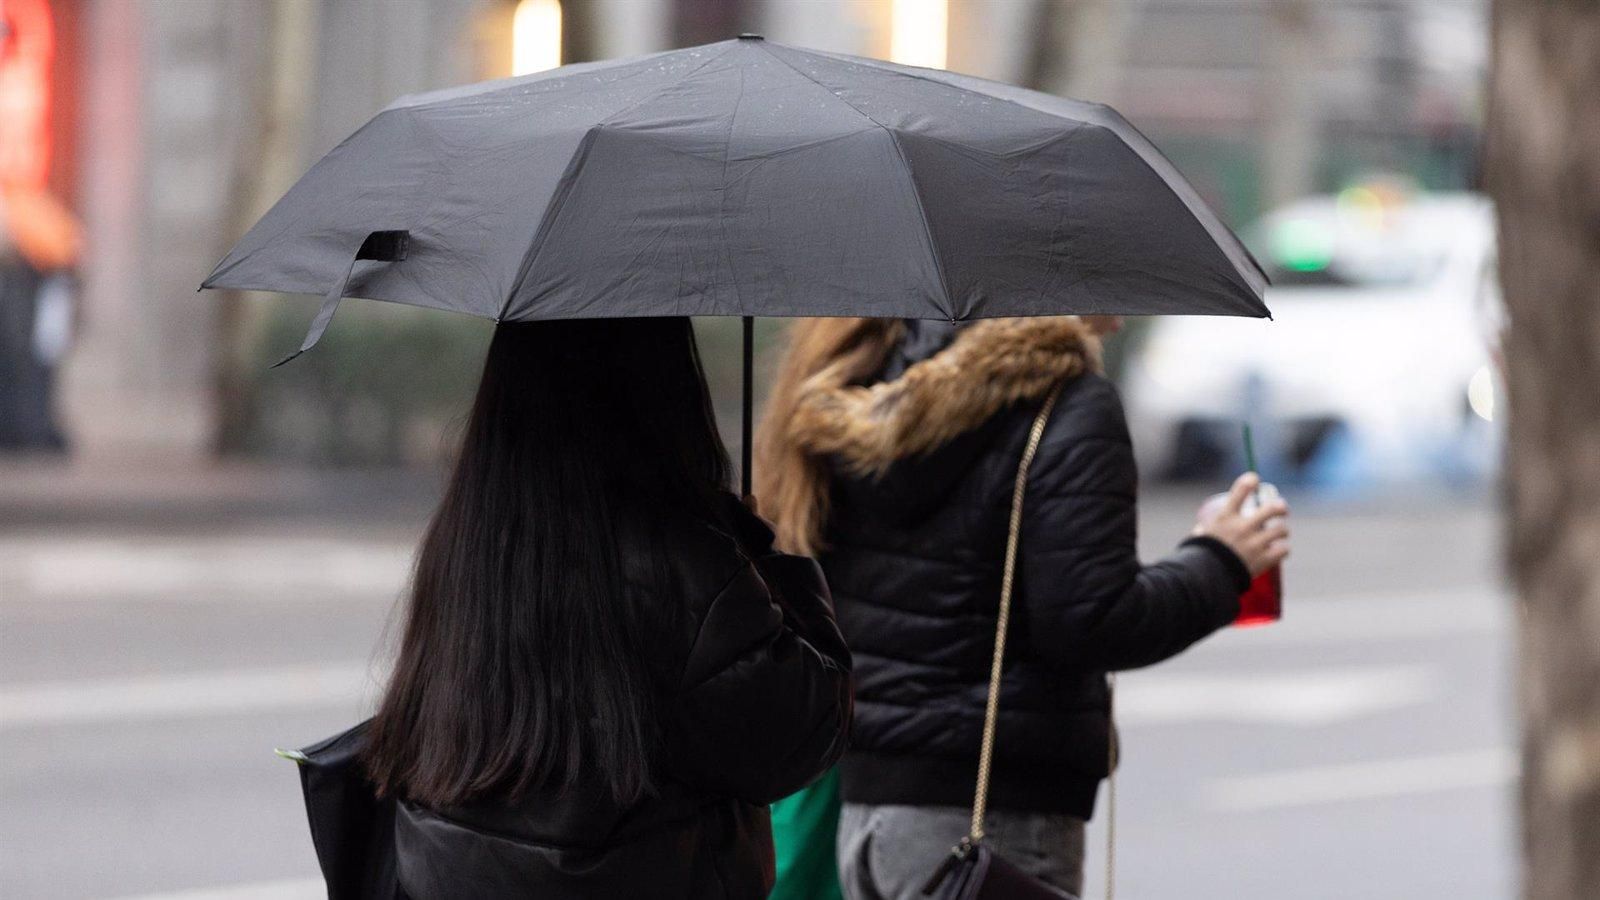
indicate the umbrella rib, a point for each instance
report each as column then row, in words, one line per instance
column 916, row 195
column 558, row 198
column 880, row 66
column 1109, row 123
column 722, row 216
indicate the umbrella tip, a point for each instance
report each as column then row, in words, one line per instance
column 751, row 36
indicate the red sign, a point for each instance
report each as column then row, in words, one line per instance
column 27, row 45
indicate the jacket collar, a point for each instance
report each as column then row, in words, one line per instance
column 987, row 367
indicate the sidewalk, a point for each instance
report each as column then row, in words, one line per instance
column 50, row 496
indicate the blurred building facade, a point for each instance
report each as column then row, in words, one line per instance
column 181, row 121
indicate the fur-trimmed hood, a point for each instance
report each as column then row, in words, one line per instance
column 988, row 366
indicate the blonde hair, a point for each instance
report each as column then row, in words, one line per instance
column 791, row 483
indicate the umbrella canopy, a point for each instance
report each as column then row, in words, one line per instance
column 747, row 178
column 750, row 178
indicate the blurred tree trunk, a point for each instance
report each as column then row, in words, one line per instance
column 281, row 70
column 1078, row 47
column 1543, row 167
column 580, row 31
column 1289, row 103
column 704, row 21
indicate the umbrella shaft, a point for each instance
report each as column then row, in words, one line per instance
column 749, row 404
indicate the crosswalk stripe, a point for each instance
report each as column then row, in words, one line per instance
column 184, row 696
column 285, row 889
column 1486, row 768
column 197, row 569
column 1303, row 697
column 1294, row 697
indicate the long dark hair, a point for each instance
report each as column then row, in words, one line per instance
column 523, row 660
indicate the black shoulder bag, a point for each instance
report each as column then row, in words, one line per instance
column 352, row 827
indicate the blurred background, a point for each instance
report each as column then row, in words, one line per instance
column 199, row 556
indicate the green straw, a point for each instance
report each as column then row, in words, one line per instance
column 1250, row 461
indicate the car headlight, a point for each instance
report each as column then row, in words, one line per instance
column 1481, row 393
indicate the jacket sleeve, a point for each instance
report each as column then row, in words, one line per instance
column 1088, row 602
column 764, row 702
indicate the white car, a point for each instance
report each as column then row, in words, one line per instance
column 1377, row 364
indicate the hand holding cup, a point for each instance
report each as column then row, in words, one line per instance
column 1257, row 532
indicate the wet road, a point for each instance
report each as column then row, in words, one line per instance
column 150, row 663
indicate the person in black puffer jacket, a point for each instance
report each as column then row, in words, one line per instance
column 890, row 449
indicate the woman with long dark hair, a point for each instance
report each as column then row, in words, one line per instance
column 606, row 670
column 891, row 449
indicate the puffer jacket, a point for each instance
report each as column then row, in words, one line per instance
column 923, row 459
column 760, row 706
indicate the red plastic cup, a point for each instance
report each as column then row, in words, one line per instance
column 1262, row 602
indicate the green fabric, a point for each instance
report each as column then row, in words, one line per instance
column 804, row 826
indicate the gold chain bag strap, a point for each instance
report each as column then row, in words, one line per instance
column 971, row 871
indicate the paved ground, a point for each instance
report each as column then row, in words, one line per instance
column 157, row 642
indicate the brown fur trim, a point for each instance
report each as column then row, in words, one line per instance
column 992, row 364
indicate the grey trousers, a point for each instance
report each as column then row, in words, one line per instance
column 888, row 852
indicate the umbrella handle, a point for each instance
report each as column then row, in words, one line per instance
column 384, row 246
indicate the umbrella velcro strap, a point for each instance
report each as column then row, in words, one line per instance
column 383, row 246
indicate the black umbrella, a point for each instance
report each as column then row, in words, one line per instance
column 748, row 178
